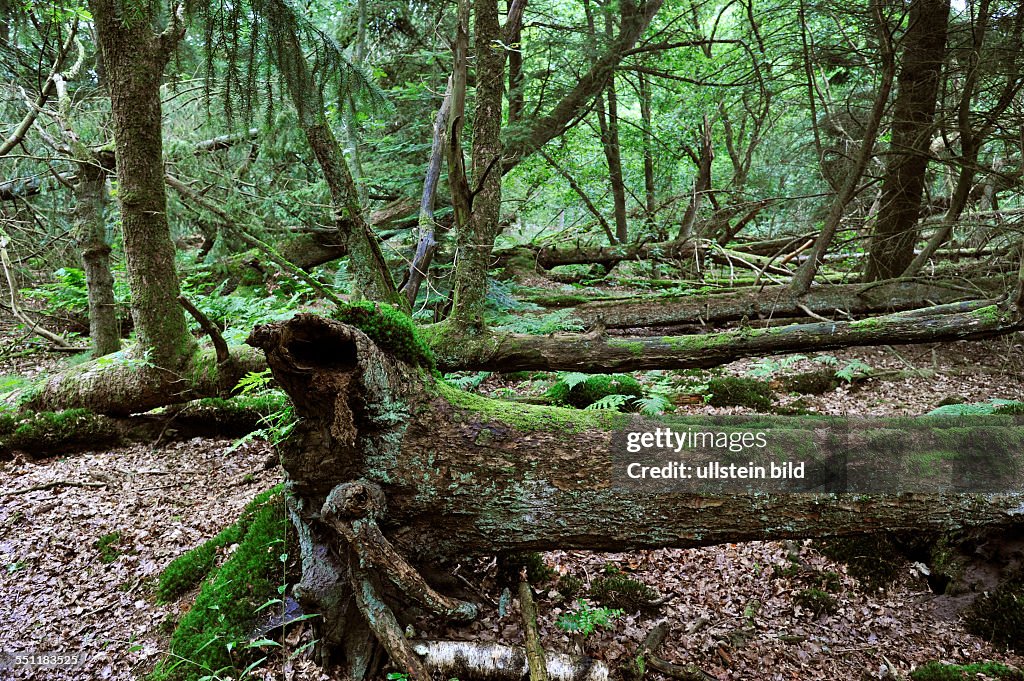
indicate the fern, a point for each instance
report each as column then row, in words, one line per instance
column 585, row 619
column 653, row 405
column 469, row 381
column 609, row 402
column 573, row 378
column 766, row 368
column 853, row 369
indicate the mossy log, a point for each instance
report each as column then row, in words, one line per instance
column 598, row 353
column 382, row 449
column 464, row 474
column 769, row 302
column 120, row 385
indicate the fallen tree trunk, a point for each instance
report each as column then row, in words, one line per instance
column 119, row 384
column 598, row 353
column 767, row 303
column 388, row 465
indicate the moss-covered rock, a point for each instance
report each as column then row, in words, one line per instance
column 735, row 391
column 392, row 330
column 593, row 389
column 999, row 614
column 940, row 671
column 210, row 638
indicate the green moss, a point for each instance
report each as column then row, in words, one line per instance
column 107, row 546
column 999, row 614
column 1013, row 408
column 391, row 329
column 940, row 671
column 635, row 348
column 728, row 391
column 875, row 561
column 990, row 315
column 593, row 389
column 621, row 591
column 528, row 417
column 817, row 601
column 69, row 430
column 224, row 610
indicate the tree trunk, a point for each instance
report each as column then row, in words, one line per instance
column 408, row 474
column 134, row 57
column 650, row 189
column 769, row 302
column 91, row 232
column 597, row 353
column 476, row 240
column 805, row 275
column 892, row 242
column 372, row 278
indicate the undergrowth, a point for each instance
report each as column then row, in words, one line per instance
column 212, row 638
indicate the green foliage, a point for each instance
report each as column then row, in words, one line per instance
column 999, row 615
column 67, row 293
column 278, row 413
column 940, row 671
column 537, row 571
column 570, row 586
column 467, row 380
column 584, row 619
column 210, row 636
column 729, row 391
column 623, row 592
column 977, row 408
column 817, row 601
column 392, row 330
column 583, row 390
column 107, row 546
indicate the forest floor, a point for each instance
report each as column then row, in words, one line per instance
column 80, row 556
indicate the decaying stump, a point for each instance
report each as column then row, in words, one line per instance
column 396, row 474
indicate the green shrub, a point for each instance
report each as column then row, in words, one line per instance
column 593, row 388
column 734, row 391
column 210, row 637
column 570, row 586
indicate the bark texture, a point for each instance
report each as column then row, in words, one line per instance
column 598, row 353
column 134, row 57
column 895, row 233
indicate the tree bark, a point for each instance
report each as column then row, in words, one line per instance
column 464, row 475
column 597, row 353
column 134, row 57
column 91, row 232
column 895, row 233
column 476, row 239
column 769, row 302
